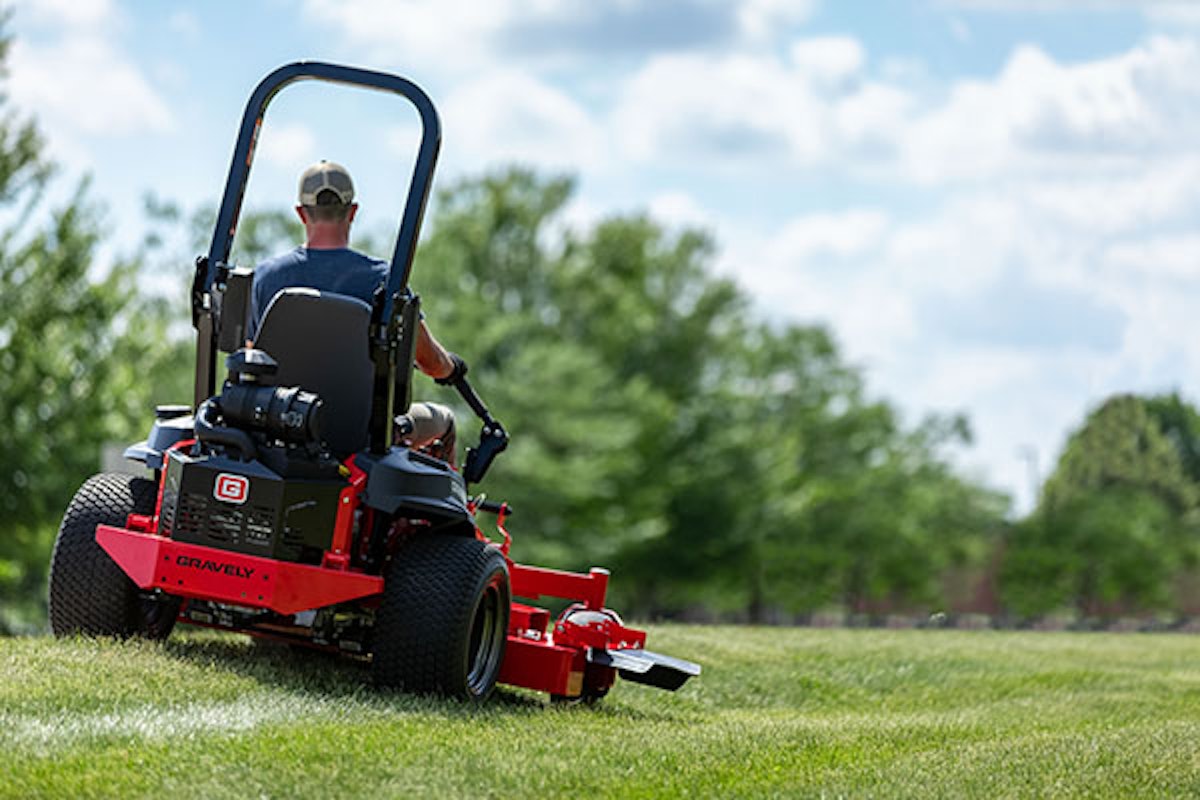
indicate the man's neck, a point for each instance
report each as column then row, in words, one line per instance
column 326, row 242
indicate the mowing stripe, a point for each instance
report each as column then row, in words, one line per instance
column 48, row 734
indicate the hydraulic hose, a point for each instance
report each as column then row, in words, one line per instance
column 208, row 432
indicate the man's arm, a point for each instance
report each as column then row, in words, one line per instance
column 432, row 359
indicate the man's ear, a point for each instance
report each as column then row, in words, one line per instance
column 351, row 212
column 301, row 214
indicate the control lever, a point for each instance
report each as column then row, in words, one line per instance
column 493, row 439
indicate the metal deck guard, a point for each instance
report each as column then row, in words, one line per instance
column 191, row 570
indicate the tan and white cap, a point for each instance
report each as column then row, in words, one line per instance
column 326, row 175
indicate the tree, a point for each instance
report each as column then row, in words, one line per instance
column 494, row 281
column 76, row 348
column 1120, row 445
column 1180, row 423
column 1115, row 521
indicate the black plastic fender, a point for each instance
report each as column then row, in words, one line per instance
column 413, row 484
column 172, row 424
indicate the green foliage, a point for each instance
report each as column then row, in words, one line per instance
column 1120, row 445
column 76, row 343
column 1104, row 552
column 1180, row 423
column 175, row 236
column 889, row 519
column 1117, row 519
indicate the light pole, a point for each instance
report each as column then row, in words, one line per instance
column 1029, row 454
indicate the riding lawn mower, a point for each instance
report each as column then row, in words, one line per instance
column 282, row 507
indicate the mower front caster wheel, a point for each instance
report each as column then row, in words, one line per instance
column 89, row 594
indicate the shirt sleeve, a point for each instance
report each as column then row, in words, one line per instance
column 255, row 310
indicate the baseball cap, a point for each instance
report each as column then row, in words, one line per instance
column 326, row 175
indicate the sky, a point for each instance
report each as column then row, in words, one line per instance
column 993, row 204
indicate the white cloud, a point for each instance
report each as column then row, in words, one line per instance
column 76, row 77
column 870, row 117
column 828, row 59
column 842, row 235
column 58, row 82
column 1023, row 300
column 1175, row 13
column 510, row 116
column 184, row 23
column 455, row 32
column 581, row 213
column 1171, row 257
column 730, row 109
column 68, row 13
column 818, row 268
column 680, row 209
column 1156, row 192
column 1047, row 117
column 286, row 145
column 824, row 106
column 462, row 36
column 763, row 18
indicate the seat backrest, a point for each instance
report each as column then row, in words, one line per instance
column 321, row 341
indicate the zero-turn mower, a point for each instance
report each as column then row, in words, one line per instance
column 281, row 507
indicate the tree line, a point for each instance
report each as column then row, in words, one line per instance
column 723, row 465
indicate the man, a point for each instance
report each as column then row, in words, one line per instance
column 327, row 263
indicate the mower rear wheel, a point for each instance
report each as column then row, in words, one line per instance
column 443, row 621
column 89, row 593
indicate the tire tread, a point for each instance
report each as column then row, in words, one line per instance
column 89, row 593
column 423, row 620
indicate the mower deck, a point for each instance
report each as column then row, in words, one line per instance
column 579, row 655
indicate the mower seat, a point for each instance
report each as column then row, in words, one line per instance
column 320, row 340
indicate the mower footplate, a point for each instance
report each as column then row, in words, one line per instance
column 206, row 573
column 644, row 666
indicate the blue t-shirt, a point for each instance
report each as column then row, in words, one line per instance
column 342, row 271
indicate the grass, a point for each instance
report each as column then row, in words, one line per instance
column 777, row 712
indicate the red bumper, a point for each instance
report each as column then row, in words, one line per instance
column 205, row 573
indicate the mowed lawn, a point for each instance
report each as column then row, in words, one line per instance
column 777, row 712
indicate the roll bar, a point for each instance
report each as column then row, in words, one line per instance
column 239, row 174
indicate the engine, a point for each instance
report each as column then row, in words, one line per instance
column 261, row 480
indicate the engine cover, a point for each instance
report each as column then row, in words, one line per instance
column 245, row 507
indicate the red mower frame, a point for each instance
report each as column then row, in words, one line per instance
column 556, row 659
